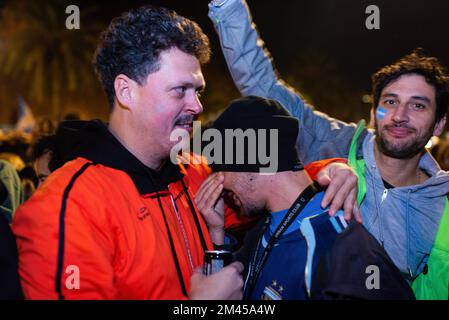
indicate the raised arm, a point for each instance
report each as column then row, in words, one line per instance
column 249, row 63
column 251, row 67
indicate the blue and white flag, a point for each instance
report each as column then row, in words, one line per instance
column 26, row 122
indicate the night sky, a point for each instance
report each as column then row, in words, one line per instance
column 335, row 27
column 311, row 32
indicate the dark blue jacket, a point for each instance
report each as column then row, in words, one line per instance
column 321, row 257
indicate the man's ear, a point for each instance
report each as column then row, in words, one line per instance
column 439, row 126
column 125, row 91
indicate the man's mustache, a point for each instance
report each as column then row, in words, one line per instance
column 399, row 125
column 185, row 119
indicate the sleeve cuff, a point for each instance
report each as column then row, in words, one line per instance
column 229, row 243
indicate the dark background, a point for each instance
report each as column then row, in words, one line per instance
column 321, row 47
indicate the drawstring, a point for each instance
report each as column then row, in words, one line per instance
column 170, row 238
column 381, row 237
column 172, row 247
column 407, row 219
column 195, row 216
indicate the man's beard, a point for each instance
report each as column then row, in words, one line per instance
column 403, row 150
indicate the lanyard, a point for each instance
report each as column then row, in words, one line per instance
column 291, row 215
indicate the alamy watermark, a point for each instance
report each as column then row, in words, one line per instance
column 372, row 22
column 250, row 146
column 73, row 20
column 372, row 282
column 72, row 282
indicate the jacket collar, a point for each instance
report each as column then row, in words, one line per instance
column 92, row 140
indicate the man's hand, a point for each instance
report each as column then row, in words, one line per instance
column 210, row 203
column 341, row 192
column 225, row 284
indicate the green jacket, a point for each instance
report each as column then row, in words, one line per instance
column 11, row 181
column 433, row 282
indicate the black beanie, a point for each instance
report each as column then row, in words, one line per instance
column 258, row 113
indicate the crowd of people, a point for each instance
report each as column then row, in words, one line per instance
column 105, row 213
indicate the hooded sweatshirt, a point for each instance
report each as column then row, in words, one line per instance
column 105, row 226
column 11, row 183
column 404, row 220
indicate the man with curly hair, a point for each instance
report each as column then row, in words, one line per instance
column 118, row 221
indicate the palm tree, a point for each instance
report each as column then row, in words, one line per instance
column 38, row 48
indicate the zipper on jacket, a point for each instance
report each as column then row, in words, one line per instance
column 384, row 196
column 378, row 213
column 172, row 247
column 184, row 234
column 381, row 227
column 407, row 219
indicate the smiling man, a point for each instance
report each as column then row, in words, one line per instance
column 406, row 116
column 297, row 251
column 403, row 190
column 118, row 220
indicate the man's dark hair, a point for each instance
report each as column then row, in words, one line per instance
column 418, row 63
column 47, row 144
column 43, row 145
column 133, row 42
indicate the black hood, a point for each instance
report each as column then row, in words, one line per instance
column 92, row 140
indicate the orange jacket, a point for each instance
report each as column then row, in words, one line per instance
column 92, row 217
column 109, row 227
column 91, row 220
column 123, row 230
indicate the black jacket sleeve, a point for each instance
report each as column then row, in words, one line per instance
column 9, row 277
column 357, row 267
